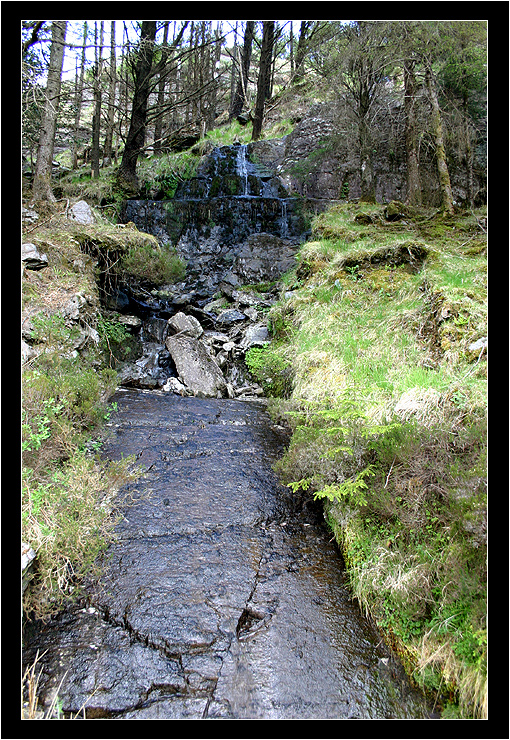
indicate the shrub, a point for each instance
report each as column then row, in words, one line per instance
column 157, row 264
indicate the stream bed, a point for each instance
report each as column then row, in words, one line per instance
column 222, row 595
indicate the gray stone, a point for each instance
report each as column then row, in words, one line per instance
column 27, row 352
column 173, row 385
column 479, row 345
column 195, row 366
column 184, row 324
column 31, row 258
column 131, row 323
column 230, row 316
column 257, row 335
column 72, row 310
column 29, row 216
column 82, row 213
column 251, row 313
column 28, row 556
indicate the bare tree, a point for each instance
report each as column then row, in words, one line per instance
column 158, row 125
column 264, row 79
column 35, row 27
column 96, row 118
column 126, row 174
column 239, row 99
column 78, row 99
column 110, row 122
column 42, row 176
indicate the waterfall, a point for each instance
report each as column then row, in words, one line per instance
column 284, row 221
column 242, row 167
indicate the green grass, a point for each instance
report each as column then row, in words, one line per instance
column 388, row 418
column 67, row 493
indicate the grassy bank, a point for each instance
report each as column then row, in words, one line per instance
column 383, row 323
column 68, row 378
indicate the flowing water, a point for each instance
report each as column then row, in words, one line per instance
column 222, row 595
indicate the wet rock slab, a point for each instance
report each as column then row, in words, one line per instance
column 220, row 598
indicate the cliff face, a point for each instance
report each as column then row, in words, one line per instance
column 319, row 160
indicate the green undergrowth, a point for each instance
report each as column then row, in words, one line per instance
column 67, row 383
column 384, row 325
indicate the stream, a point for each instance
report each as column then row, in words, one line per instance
column 222, row 596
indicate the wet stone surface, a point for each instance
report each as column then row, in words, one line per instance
column 221, row 597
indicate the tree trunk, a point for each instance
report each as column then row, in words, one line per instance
column 437, row 128
column 126, row 175
column 469, row 157
column 108, row 143
column 266, row 56
column 42, row 175
column 240, row 97
column 96, row 118
column 367, row 179
column 78, row 100
column 412, row 148
column 301, row 51
column 158, row 125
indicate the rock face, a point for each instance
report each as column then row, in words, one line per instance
column 196, row 368
column 321, row 161
column 264, row 257
column 224, row 220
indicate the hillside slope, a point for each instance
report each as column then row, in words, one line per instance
column 383, row 327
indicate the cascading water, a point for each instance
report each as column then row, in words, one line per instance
column 213, row 215
column 242, row 168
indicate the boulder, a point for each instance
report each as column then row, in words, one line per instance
column 31, row 258
column 230, row 316
column 255, row 336
column 195, row 366
column 173, row 385
column 183, row 324
column 394, row 211
column 82, row 213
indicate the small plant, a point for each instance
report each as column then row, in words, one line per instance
column 352, row 271
column 271, row 370
column 352, row 490
column 39, row 428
